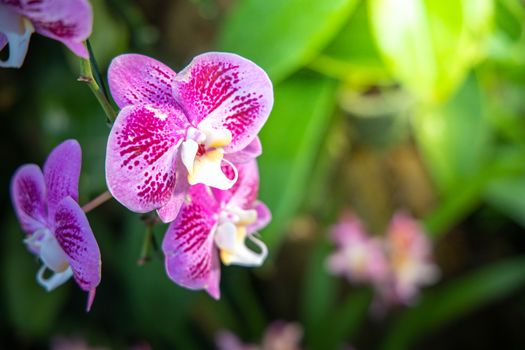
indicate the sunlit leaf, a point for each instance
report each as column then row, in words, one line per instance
column 455, row 300
column 430, row 45
column 454, row 138
column 291, row 139
column 353, row 55
column 281, row 36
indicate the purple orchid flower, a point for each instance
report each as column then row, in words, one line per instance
column 174, row 130
column 68, row 21
column 212, row 224
column 57, row 229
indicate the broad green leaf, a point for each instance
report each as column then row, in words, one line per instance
column 454, row 138
column 353, row 55
column 455, row 300
column 430, row 45
column 291, row 139
column 282, row 36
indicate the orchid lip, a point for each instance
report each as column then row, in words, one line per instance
column 230, row 236
column 206, row 167
column 43, row 243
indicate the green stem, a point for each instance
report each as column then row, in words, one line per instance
column 86, row 75
column 146, row 246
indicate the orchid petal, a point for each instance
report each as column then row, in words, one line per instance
column 61, row 173
column 191, row 258
column 68, row 21
column 244, row 193
column 137, row 79
column 56, row 280
column 75, row 237
column 16, row 31
column 141, row 156
column 225, row 92
column 264, row 216
column 170, row 210
column 28, row 194
column 247, row 154
column 3, row 41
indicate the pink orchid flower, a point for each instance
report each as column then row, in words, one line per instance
column 174, row 130
column 359, row 257
column 213, row 224
column 68, row 21
column 410, row 255
column 57, row 229
column 279, row 335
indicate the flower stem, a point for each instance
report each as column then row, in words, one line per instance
column 86, row 75
column 146, row 246
column 100, row 199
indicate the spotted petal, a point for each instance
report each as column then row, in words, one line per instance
column 136, row 79
column 15, row 30
column 244, row 193
column 247, row 154
column 225, row 91
column 264, row 216
column 68, row 21
column 61, row 173
column 75, row 237
column 191, row 257
column 28, row 193
column 141, row 156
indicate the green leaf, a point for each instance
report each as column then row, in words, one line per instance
column 430, row 45
column 454, row 300
column 353, row 55
column 454, row 138
column 319, row 289
column 507, row 193
column 291, row 139
column 282, row 36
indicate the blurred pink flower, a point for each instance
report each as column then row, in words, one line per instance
column 396, row 265
column 359, row 257
column 410, row 255
column 279, row 335
column 68, row 21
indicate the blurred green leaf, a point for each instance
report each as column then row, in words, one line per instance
column 32, row 311
column 291, row 139
column 454, row 300
column 159, row 306
column 353, row 55
column 430, row 45
column 318, row 291
column 507, row 193
column 454, row 138
column 281, row 36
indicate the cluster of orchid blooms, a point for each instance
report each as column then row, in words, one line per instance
column 182, row 144
column 397, row 264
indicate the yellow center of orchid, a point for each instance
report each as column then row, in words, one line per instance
column 203, row 155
